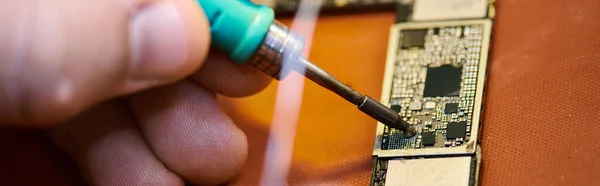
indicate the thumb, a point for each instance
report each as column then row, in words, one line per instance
column 59, row 57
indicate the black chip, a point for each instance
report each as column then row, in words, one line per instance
column 451, row 108
column 436, row 31
column 428, row 138
column 443, row 81
column 413, row 38
column 396, row 108
column 456, row 130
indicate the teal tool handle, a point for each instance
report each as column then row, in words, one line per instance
column 237, row 27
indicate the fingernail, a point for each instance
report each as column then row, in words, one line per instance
column 159, row 44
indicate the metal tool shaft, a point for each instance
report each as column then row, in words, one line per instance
column 327, row 81
column 365, row 103
column 280, row 53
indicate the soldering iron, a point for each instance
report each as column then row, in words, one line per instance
column 249, row 33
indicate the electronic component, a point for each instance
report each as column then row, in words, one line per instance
column 456, row 130
column 451, row 108
column 451, row 171
column 413, row 38
column 443, row 81
column 415, row 106
column 428, row 124
column 428, row 138
column 430, row 105
column 429, row 10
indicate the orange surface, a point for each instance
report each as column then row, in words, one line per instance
column 334, row 140
column 541, row 118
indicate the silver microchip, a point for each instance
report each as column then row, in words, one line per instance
column 427, row 10
column 415, row 106
column 430, row 105
column 454, row 171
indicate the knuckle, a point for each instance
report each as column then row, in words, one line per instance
column 41, row 103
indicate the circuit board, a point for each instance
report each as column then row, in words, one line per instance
column 434, row 79
column 435, row 82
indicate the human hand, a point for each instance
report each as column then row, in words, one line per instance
column 125, row 87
